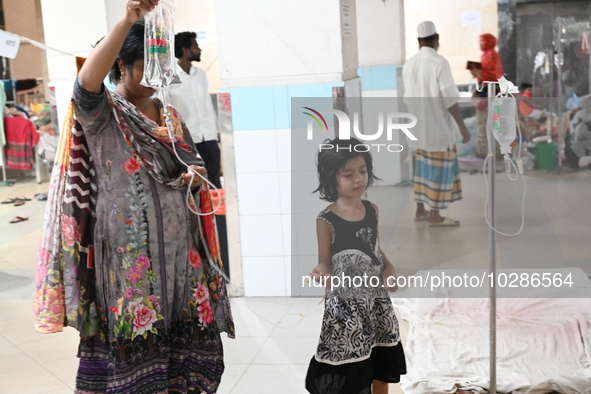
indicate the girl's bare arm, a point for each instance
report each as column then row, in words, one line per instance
column 324, row 235
column 389, row 270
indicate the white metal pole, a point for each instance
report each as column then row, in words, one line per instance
column 492, row 164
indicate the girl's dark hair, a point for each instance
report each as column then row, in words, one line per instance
column 330, row 161
column 131, row 51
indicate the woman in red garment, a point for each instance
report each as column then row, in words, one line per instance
column 491, row 70
column 492, row 67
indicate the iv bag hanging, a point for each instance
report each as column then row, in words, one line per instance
column 504, row 118
column 160, row 68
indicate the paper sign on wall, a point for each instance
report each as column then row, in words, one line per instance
column 471, row 18
column 9, row 44
column 345, row 21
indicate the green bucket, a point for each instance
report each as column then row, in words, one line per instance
column 545, row 155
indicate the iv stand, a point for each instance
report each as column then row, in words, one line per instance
column 492, row 246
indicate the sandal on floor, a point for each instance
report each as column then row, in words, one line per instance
column 19, row 202
column 423, row 217
column 23, row 198
column 8, row 201
column 18, row 219
column 447, row 222
column 41, row 196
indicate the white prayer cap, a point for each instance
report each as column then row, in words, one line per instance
column 426, row 29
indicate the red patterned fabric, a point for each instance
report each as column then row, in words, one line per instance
column 21, row 138
column 492, row 67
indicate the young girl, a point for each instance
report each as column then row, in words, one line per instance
column 359, row 350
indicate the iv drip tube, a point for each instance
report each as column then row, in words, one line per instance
column 170, row 129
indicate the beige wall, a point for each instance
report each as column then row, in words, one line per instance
column 380, row 32
column 198, row 16
column 458, row 43
column 23, row 17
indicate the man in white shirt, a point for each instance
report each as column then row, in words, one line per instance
column 432, row 96
column 193, row 102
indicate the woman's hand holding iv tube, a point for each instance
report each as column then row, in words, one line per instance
column 192, row 178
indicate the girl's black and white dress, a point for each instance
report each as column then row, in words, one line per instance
column 359, row 341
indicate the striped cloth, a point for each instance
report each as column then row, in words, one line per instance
column 186, row 361
column 21, row 138
column 437, row 178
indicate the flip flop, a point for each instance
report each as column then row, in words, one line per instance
column 8, row 201
column 18, row 203
column 447, row 222
column 423, row 217
column 41, row 196
column 23, row 198
column 18, row 219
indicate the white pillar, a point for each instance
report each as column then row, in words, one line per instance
column 380, row 35
column 270, row 51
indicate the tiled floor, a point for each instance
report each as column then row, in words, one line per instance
column 277, row 336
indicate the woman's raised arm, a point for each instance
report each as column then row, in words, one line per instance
column 101, row 59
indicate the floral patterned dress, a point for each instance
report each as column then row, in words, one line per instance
column 154, row 289
column 359, row 339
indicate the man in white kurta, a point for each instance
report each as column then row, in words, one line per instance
column 193, row 102
column 432, row 96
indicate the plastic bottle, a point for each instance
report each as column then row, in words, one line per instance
column 504, row 110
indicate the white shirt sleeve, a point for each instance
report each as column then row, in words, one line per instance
column 447, row 86
column 211, row 119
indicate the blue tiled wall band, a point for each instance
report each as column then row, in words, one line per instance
column 268, row 107
column 378, row 77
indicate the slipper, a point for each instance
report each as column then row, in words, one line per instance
column 8, row 201
column 18, row 203
column 18, row 219
column 423, row 217
column 41, row 196
column 447, row 222
column 23, row 198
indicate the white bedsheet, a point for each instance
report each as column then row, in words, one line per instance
column 543, row 344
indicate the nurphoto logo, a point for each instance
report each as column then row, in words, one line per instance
column 345, row 129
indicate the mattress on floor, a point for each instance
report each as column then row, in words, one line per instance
column 543, row 344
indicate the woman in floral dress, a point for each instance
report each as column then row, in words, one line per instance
column 122, row 259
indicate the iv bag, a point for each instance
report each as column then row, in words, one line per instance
column 504, row 118
column 159, row 63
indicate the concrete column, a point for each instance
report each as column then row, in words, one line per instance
column 380, row 36
column 270, row 51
